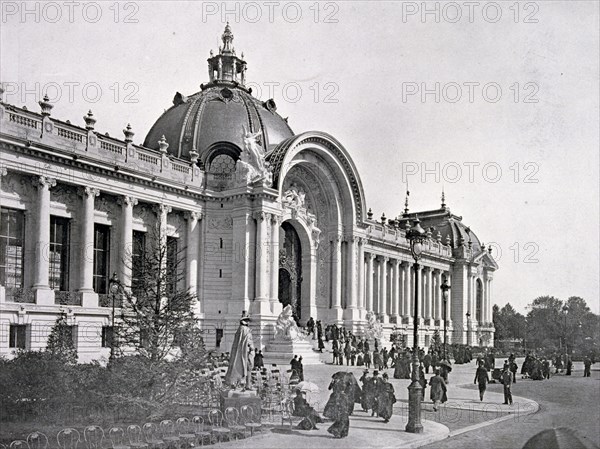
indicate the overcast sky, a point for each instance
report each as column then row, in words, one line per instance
column 503, row 98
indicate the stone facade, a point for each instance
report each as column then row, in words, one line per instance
column 302, row 221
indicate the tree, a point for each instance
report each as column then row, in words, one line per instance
column 156, row 311
column 545, row 323
column 60, row 341
column 509, row 324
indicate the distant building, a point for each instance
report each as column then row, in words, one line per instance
column 267, row 218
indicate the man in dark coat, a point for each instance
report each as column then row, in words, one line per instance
column 507, row 382
column 347, row 352
column 258, row 359
column 587, row 365
column 482, row 379
column 385, row 398
column 377, row 361
column 427, row 362
column 385, row 357
column 367, row 359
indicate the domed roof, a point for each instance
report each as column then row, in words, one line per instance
column 216, row 117
column 214, row 120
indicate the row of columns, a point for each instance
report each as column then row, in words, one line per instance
column 86, row 238
column 389, row 288
column 266, row 259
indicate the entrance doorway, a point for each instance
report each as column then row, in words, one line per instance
column 290, row 270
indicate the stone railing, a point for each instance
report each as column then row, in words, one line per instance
column 84, row 144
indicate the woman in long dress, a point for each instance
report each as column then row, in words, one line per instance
column 337, row 409
column 386, row 399
column 437, row 389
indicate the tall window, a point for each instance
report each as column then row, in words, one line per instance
column 101, row 258
column 18, row 336
column 172, row 262
column 138, row 256
column 59, row 253
column 107, row 336
column 12, row 229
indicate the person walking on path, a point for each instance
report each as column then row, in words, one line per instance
column 437, row 389
column 385, row 399
column 587, row 365
column 507, row 382
column 482, row 379
column 422, row 381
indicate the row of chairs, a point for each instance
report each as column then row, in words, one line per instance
column 179, row 434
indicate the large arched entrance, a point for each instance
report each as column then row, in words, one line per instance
column 290, row 269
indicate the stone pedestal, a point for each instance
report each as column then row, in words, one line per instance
column 281, row 352
column 237, row 399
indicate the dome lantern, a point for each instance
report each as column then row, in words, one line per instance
column 226, row 66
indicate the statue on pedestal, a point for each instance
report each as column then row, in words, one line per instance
column 374, row 328
column 241, row 358
column 285, row 327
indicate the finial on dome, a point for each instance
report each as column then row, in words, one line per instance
column 227, row 38
column 406, row 201
column 443, row 199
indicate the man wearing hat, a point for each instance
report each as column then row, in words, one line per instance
column 241, row 359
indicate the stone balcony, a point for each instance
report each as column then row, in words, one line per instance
column 88, row 146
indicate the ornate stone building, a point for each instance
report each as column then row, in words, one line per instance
column 266, row 217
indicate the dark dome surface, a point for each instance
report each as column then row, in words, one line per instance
column 214, row 118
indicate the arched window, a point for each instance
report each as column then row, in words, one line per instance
column 223, row 164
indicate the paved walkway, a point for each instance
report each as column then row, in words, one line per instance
column 462, row 413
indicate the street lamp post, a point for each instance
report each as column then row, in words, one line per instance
column 468, row 315
column 566, row 310
column 445, row 294
column 416, row 235
column 113, row 287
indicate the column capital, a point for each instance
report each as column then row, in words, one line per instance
column 371, row 256
column 127, row 200
column 193, row 215
column 338, row 238
column 260, row 215
column 361, row 241
column 87, row 192
column 384, row 259
column 396, row 262
column 406, row 263
column 44, row 181
column 275, row 219
column 3, row 171
column 161, row 208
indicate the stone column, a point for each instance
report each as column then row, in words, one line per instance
column 126, row 250
column 351, row 311
column 361, row 274
column 369, row 282
column 419, row 278
column 274, row 247
column 192, row 251
column 41, row 288
column 86, row 262
column 336, row 278
column 407, row 292
column 428, row 292
column 262, row 305
column 438, row 295
column 383, row 312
